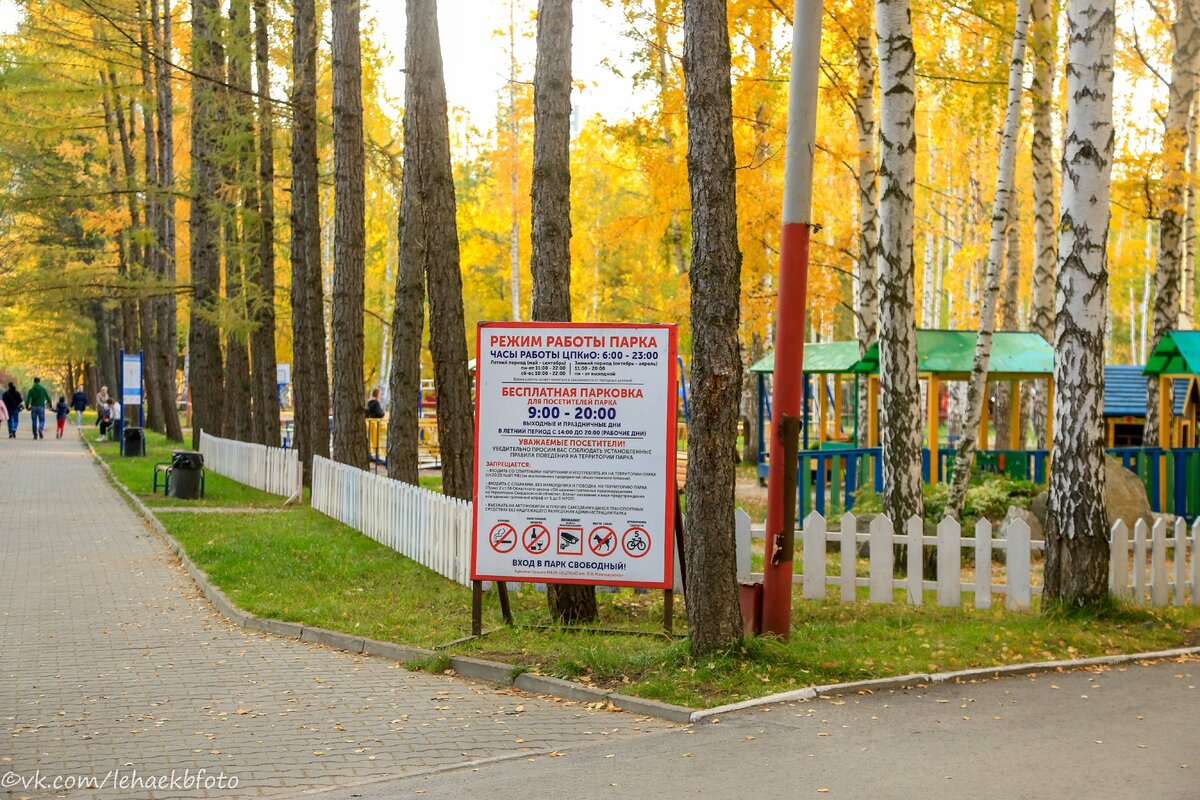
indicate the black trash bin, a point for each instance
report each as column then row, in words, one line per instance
column 134, row 441
column 187, row 470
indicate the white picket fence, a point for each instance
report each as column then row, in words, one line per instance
column 427, row 527
column 1166, row 584
column 270, row 469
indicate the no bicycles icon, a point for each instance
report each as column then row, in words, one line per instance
column 636, row 542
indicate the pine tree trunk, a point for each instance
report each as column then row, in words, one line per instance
column 238, row 153
column 166, row 325
column 866, row 293
column 152, row 255
column 349, row 253
column 714, row 619
column 1076, row 528
column 262, row 310
column 899, row 408
column 1167, row 273
column 310, row 376
column 204, row 341
column 550, row 259
column 432, row 198
column 408, row 315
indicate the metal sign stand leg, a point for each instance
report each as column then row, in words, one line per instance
column 477, row 605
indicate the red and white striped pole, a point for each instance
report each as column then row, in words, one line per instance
column 786, row 417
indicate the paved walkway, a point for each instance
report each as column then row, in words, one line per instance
column 111, row 662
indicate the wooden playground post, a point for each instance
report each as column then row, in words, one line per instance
column 1164, row 435
column 822, row 417
column 872, row 411
column 837, row 406
column 981, row 440
column 933, row 389
column 1016, row 436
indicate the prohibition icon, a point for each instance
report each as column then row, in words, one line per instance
column 503, row 537
column 635, row 542
column 536, row 538
column 603, row 540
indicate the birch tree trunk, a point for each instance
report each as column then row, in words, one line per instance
column 1076, row 530
column 310, row 376
column 1009, row 321
column 1043, row 43
column 714, row 619
column 434, row 244
column 262, row 339
column 1167, row 272
column 1187, row 299
column 204, row 339
column 166, row 325
column 866, row 296
column 1002, row 207
column 550, row 261
column 900, row 396
column 349, row 249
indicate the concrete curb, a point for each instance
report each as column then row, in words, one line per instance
column 490, row 671
column 544, row 684
column 652, row 708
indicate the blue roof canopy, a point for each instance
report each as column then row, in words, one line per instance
column 1125, row 391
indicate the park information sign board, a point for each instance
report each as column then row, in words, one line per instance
column 131, row 379
column 575, row 454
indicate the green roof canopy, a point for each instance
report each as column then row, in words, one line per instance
column 951, row 354
column 819, row 357
column 1177, row 354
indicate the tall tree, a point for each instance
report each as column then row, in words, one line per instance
column 152, row 258
column 550, row 262
column 900, row 395
column 349, row 248
column 433, row 229
column 866, row 293
column 1185, row 34
column 240, row 206
column 310, row 376
column 1043, row 42
column 1076, row 527
column 714, row 621
column 262, row 309
column 204, row 340
column 1002, row 208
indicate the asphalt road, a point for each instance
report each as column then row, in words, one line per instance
column 1118, row 732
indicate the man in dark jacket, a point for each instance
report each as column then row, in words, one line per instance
column 79, row 403
column 36, row 400
column 12, row 403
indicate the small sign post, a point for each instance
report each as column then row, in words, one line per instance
column 130, row 392
column 574, row 455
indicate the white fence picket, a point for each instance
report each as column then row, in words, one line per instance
column 882, row 558
column 1016, row 538
column 1196, row 563
column 1158, row 564
column 949, row 563
column 1139, row 561
column 849, row 556
column 1180, row 553
column 983, row 564
column 814, row 557
column 1118, row 562
column 916, row 561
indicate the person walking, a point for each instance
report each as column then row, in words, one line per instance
column 61, row 412
column 4, row 414
column 36, row 400
column 12, row 404
column 79, row 403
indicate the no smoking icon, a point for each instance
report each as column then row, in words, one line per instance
column 536, row 538
column 603, row 540
column 503, row 537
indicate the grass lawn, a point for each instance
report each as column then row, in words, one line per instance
column 138, row 475
column 301, row 566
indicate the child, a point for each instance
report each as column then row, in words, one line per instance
column 61, row 412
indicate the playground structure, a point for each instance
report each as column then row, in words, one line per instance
column 837, row 459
